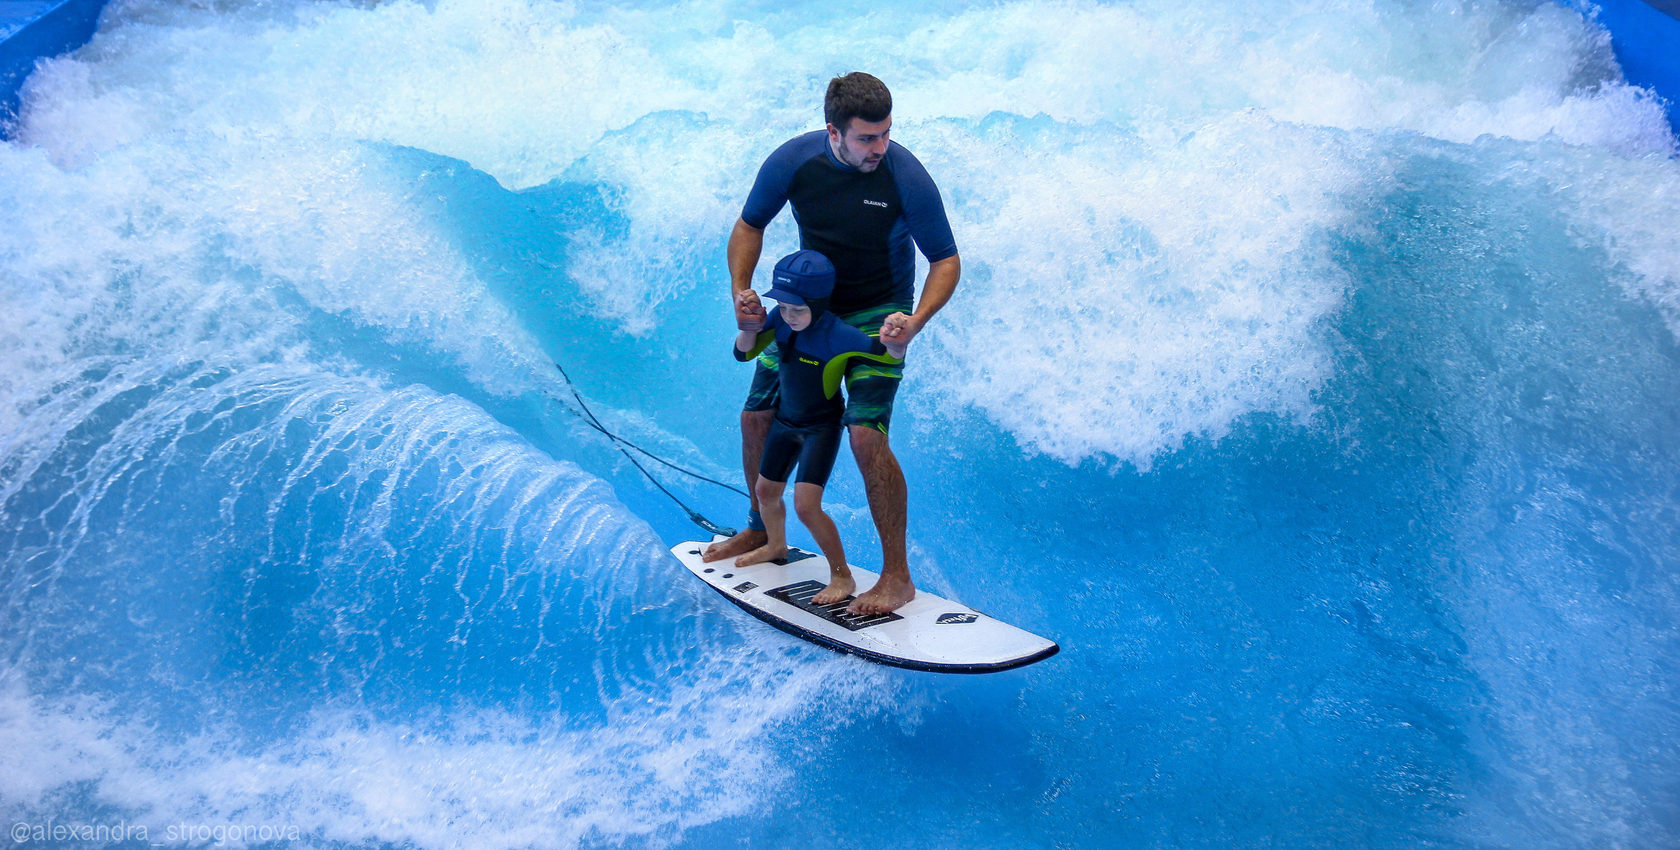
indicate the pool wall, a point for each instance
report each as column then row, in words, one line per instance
column 1646, row 36
column 33, row 30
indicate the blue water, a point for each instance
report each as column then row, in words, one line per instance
column 1313, row 381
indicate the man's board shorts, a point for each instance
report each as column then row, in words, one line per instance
column 870, row 386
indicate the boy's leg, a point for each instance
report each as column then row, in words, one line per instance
column 807, row 500
column 759, row 412
column 774, row 512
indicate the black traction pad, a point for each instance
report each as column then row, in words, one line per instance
column 799, row 596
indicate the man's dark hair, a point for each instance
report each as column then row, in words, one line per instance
column 856, row 95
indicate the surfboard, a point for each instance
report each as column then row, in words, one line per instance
column 929, row 633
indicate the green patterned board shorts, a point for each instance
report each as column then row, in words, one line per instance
column 870, row 387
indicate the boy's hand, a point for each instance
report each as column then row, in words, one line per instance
column 749, row 311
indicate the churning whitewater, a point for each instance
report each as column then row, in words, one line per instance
column 1311, row 381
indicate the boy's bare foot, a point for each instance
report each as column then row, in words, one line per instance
column 746, row 540
column 838, row 589
column 888, row 595
column 761, row 554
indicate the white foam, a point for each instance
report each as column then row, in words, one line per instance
column 1626, row 208
column 1450, row 70
column 672, row 728
column 670, row 109
column 693, row 755
column 1144, row 194
column 1139, row 293
column 153, row 249
column 512, row 86
column 1212, row 260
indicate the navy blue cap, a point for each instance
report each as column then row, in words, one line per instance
column 801, row 275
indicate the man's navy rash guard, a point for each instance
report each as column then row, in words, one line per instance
column 863, row 222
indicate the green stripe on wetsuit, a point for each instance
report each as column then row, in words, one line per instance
column 870, row 387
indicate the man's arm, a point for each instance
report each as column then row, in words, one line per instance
column 898, row 329
column 746, row 245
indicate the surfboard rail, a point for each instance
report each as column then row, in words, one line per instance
column 930, row 634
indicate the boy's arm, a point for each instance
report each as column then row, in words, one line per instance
column 749, row 343
column 745, row 340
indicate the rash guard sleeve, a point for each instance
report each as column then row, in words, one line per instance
column 770, row 189
column 924, row 209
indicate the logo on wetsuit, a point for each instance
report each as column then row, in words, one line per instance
column 881, row 204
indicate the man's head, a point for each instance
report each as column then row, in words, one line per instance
column 802, row 282
column 858, row 109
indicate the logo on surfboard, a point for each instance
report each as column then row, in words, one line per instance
column 955, row 618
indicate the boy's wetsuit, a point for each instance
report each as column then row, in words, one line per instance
column 806, row 430
column 868, row 224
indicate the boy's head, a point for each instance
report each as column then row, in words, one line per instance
column 802, row 282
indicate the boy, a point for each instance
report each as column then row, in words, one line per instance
column 815, row 349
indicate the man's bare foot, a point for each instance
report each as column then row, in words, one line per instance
column 838, row 588
column 761, row 554
column 746, row 540
column 889, row 594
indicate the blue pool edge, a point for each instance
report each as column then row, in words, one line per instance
column 42, row 30
column 1644, row 34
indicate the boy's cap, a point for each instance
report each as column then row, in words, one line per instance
column 801, row 275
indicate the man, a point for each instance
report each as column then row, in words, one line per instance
column 861, row 200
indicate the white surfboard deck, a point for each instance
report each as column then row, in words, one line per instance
column 929, row 633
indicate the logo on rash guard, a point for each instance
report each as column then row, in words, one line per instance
column 881, row 204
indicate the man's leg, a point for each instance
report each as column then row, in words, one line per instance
column 883, row 483
column 755, row 426
column 870, row 391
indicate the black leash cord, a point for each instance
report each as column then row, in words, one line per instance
column 619, row 442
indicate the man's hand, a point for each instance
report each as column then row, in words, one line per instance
column 897, row 330
column 749, row 311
